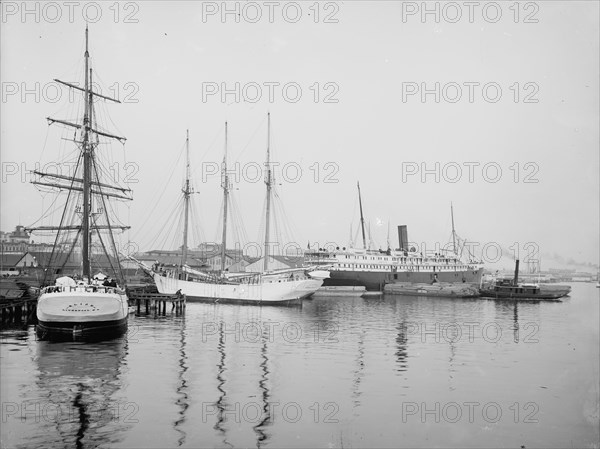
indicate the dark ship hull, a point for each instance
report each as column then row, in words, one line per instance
column 88, row 331
column 513, row 290
column 525, row 292
column 376, row 280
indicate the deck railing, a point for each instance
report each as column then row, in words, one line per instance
column 81, row 288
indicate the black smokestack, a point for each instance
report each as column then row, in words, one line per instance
column 516, row 279
column 402, row 238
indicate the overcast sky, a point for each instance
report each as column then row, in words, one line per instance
column 517, row 112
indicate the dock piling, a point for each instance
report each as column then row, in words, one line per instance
column 156, row 303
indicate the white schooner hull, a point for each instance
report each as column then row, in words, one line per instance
column 81, row 313
column 275, row 291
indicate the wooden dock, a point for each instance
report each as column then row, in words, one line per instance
column 19, row 311
column 156, row 303
column 18, row 301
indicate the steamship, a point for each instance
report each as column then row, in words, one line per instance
column 374, row 269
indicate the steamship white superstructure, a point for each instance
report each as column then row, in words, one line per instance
column 374, row 269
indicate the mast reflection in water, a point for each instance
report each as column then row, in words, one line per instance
column 210, row 381
column 79, row 382
column 359, row 371
column 182, row 386
column 401, row 344
column 221, row 402
column 262, row 435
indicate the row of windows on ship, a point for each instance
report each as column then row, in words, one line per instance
column 401, row 259
column 400, row 267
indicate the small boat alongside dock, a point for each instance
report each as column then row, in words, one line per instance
column 340, row 291
column 437, row 289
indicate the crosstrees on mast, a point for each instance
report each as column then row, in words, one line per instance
column 86, row 180
column 186, row 198
column 268, row 182
column 225, row 186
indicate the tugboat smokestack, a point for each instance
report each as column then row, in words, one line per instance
column 516, row 279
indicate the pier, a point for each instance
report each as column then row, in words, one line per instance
column 156, row 303
column 20, row 311
column 18, row 302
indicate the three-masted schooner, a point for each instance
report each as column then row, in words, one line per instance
column 267, row 287
column 78, row 306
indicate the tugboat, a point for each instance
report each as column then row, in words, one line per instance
column 512, row 289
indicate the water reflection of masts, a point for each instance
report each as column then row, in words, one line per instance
column 401, row 343
column 516, row 322
column 182, row 386
column 262, row 436
column 83, row 417
column 452, row 334
column 221, row 403
column 359, row 371
column 83, row 393
column 452, row 369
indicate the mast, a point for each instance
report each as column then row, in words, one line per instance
column 89, row 183
column 268, row 182
column 388, row 235
column 362, row 219
column 186, row 197
column 87, row 149
column 225, row 186
column 453, row 232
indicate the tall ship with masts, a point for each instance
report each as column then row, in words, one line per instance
column 374, row 269
column 266, row 287
column 72, row 304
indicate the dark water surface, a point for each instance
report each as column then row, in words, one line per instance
column 336, row 372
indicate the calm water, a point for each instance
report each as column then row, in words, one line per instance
column 336, row 372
